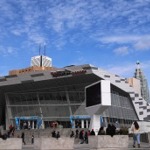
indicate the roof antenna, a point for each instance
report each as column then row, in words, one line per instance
column 138, row 65
column 39, row 49
column 44, row 49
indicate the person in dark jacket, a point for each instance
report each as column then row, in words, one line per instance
column 77, row 134
column 72, row 134
column 53, row 134
column 58, row 135
column 23, row 138
column 111, row 130
column 92, row 132
column 86, row 137
column 81, row 136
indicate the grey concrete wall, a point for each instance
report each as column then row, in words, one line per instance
column 63, row 143
column 103, row 142
column 11, row 143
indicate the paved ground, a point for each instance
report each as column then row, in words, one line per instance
column 144, row 146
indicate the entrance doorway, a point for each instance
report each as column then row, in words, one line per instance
column 28, row 122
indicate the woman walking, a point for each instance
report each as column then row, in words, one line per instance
column 136, row 133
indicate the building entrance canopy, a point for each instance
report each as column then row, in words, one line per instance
column 36, row 121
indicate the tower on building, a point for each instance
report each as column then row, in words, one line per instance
column 143, row 82
column 38, row 63
column 41, row 60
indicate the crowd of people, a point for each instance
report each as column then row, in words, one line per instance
column 111, row 130
column 83, row 134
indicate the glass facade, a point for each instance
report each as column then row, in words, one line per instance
column 61, row 103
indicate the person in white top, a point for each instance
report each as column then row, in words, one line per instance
column 136, row 133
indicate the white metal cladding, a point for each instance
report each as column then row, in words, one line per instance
column 141, row 106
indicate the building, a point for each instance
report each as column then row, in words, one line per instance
column 59, row 96
column 143, row 82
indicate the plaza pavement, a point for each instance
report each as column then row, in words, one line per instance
column 144, row 146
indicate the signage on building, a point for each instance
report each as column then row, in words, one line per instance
column 66, row 73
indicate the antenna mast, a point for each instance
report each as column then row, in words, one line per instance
column 44, row 49
column 39, row 49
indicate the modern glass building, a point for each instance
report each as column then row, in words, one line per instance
column 59, row 96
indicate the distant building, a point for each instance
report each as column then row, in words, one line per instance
column 135, row 83
column 143, row 82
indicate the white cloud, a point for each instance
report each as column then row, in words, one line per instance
column 7, row 50
column 137, row 42
column 121, row 51
column 124, row 70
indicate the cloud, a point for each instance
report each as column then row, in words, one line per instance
column 7, row 50
column 121, row 51
column 140, row 42
column 123, row 70
column 66, row 19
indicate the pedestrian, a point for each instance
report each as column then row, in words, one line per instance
column 86, row 137
column 58, row 135
column 32, row 139
column 23, row 138
column 111, row 130
column 77, row 134
column 54, row 134
column 72, row 134
column 81, row 136
column 101, row 131
column 136, row 133
column 92, row 132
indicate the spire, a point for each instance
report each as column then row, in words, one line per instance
column 138, row 65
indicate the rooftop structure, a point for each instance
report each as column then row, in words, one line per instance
column 41, row 61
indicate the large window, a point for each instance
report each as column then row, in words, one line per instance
column 93, row 95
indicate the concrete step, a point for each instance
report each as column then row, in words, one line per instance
column 81, row 147
column 28, row 147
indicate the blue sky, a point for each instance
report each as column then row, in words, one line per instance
column 110, row 34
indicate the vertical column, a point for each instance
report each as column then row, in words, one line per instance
column 87, row 124
column 8, row 112
column 41, row 113
column 33, row 124
column 73, row 124
column 95, row 123
column 68, row 100
column 82, row 124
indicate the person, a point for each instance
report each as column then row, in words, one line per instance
column 72, row 134
column 54, row 134
column 101, row 131
column 117, row 125
column 23, row 138
column 32, row 139
column 136, row 133
column 77, row 134
column 57, row 135
column 86, row 137
column 111, row 130
column 92, row 132
column 81, row 136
